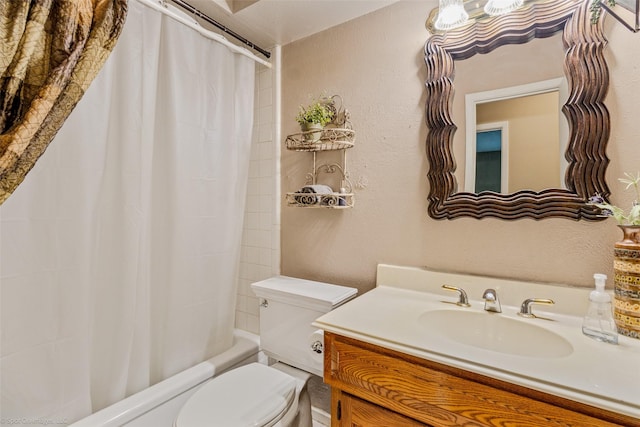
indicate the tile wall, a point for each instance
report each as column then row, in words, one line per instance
column 260, row 256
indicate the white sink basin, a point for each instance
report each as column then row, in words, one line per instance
column 496, row 332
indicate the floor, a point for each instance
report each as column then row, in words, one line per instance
column 320, row 401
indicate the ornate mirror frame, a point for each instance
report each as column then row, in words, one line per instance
column 588, row 118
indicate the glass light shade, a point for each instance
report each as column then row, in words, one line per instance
column 451, row 14
column 500, row 7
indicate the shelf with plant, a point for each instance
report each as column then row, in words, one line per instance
column 323, row 125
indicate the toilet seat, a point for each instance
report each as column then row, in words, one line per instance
column 252, row 395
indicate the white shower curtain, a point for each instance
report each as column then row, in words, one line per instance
column 119, row 252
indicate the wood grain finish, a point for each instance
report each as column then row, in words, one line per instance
column 588, row 118
column 357, row 412
column 439, row 395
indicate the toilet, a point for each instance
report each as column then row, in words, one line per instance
column 273, row 395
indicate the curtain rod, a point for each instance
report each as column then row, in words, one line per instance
column 186, row 6
column 162, row 6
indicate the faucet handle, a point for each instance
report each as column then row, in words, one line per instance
column 463, row 300
column 525, row 308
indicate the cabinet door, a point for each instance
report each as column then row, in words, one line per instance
column 444, row 396
column 350, row 411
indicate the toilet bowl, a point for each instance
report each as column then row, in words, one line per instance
column 274, row 395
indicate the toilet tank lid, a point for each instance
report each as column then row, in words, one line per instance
column 308, row 293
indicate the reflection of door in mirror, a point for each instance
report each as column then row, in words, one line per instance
column 534, row 158
column 491, row 158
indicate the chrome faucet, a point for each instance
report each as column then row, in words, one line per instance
column 525, row 308
column 463, row 300
column 491, row 301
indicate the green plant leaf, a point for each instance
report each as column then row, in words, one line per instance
column 631, row 181
column 634, row 215
column 317, row 112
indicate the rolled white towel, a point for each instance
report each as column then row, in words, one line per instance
column 312, row 189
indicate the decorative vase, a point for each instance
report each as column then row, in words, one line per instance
column 311, row 132
column 626, row 265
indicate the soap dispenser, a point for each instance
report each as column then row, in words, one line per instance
column 598, row 322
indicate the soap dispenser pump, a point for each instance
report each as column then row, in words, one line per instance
column 598, row 322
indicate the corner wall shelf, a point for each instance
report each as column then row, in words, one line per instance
column 336, row 136
column 329, row 139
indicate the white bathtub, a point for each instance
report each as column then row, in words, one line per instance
column 158, row 405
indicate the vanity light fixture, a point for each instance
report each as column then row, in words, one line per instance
column 451, row 14
column 501, row 7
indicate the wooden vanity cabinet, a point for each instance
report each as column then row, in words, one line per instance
column 375, row 386
column 357, row 412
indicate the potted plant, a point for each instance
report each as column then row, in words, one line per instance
column 626, row 258
column 313, row 118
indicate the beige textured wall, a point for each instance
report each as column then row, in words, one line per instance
column 376, row 64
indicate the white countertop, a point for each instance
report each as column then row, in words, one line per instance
column 598, row 374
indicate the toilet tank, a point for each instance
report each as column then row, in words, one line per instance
column 287, row 307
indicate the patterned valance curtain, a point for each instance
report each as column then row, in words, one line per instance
column 50, row 51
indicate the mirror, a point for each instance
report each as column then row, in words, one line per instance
column 515, row 137
column 586, row 116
